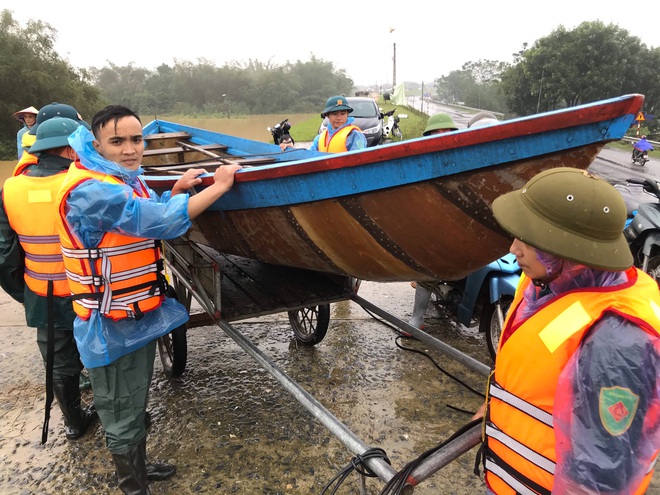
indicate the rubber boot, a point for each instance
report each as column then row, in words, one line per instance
column 131, row 470
column 157, row 471
column 76, row 420
column 422, row 298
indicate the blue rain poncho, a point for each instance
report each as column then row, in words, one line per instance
column 94, row 208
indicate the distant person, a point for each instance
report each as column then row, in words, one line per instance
column 641, row 147
column 439, row 123
column 110, row 225
column 32, row 269
column 46, row 112
column 27, row 117
column 340, row 135
column 482, row 119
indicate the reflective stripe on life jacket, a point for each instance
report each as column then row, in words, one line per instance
column 121, row 277
column 337, row 142
column 30, row 203
column 520, row 440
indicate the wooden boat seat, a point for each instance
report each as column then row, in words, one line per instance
column 167, row 135
column 181, row 149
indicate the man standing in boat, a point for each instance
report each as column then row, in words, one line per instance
column 340, row 135
column 573, row 405
column 110, row 225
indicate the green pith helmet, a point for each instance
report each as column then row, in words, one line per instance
column 335, row 104
column 57, row 110
column 439, row 121
column 53, row 133
column 571, row 214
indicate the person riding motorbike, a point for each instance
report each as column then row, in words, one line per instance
column 640, row 148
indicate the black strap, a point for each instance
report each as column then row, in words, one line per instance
column 119, row 292
column 50, row 359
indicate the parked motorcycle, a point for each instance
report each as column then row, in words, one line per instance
column 487, row 292
column 280, row 132
column 391, row 127
column 643, row 231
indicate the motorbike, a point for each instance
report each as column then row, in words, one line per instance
column 642, row 230
column 280, row 132
column 391, row 127
column 486, row 292
column 640, row 157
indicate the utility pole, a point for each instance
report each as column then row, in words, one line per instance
column 394, row 68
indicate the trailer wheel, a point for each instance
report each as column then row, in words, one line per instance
column 310, row 324
column 489, row 323
column 173, row 350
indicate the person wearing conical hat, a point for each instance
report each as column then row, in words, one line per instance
column 27, row 117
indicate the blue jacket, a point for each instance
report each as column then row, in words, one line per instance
column 94, row 208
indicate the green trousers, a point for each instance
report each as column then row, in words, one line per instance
column 121, row 393
column 66, row 359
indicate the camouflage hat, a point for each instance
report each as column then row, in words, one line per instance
column 335, row 104
column 571, row 214
column 439, row 121
column 54, row 133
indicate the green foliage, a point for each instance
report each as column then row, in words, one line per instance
column 33, row 74
column 592, row 62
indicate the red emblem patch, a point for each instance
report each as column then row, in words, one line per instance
column 618, row 411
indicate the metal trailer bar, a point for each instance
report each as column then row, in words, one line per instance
column 383, row 470
column 378, row 466
column 446, row 349
column 445, row 455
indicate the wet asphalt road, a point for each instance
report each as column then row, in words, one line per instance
column 231, row 428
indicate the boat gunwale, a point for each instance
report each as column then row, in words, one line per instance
column 591, row 113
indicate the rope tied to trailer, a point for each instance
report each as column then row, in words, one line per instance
column 359, row 465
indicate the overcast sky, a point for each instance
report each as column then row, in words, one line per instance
column 432, row 37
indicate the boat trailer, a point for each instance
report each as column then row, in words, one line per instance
column 230, row 288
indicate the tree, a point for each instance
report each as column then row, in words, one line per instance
column 33, row 74
column 567, row 68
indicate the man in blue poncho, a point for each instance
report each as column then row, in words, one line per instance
column 110, row 225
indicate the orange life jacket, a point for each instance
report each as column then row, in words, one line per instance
column 26, row 160
column 337, row 143
column 30, row 203
column 121, row 277
column 519, row 432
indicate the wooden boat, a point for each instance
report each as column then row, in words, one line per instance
column 414, row 210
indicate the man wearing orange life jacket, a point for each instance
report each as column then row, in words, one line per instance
column 573, row 405
column 340, row 135
column 109, row 226
column 32, row 269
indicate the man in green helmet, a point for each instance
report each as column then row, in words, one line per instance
column 32, row 271
column 340, row 135
column 573, row 404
